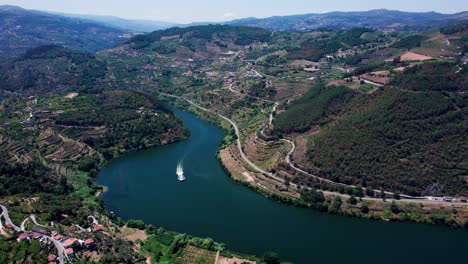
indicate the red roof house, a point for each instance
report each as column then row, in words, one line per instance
column 23, row 237
column 89, row 243
column 97, row 228
column 51, row 258
column 70, row 242
column 70, row 252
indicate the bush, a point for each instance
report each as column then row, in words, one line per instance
column 138, row 224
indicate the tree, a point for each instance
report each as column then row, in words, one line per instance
column 370, row 192
column 396, row 195
column 139, row 224
column 365, row 209
column 313, row 196
column 352, row 200
column 336, row 205
column 394, row 208
column 271, row 258
column 382, row 194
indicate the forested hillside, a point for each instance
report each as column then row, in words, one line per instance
column 51, row 69
column 414, row 143
column 313, row 107
column 434, row 77
column 196, row 38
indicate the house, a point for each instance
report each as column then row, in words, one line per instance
column 59, row 237
column 71, row 242
column 51, row 258
column 24, row 236
column 70, row 253
column 89, row 244
column 37, row 236
column 97, row 228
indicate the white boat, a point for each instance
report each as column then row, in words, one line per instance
column 180, row 172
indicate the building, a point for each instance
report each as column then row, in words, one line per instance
column 59, row 237
column 37, row 236
column 24, row 236
column 69, row 243
column 70, row 253
column 51, row 258
column 97, row 228
column 89, row 244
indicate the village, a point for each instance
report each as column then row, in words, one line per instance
column 66, row 245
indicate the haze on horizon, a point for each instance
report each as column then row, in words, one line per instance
column 183, row 11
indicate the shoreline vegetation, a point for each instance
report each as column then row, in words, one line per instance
column 349, row 202
column 154, row 244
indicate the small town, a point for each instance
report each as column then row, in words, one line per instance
column 66, row 246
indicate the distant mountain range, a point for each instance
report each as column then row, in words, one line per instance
column 22, row 29
column 382, row 19
column 379, row 19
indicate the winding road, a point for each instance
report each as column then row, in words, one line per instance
column 288, row 156
column 57, row 244
column 6, row 216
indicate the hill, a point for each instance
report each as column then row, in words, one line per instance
column 412, row 141
column 51, row 69
column 22, row 29
column 196, row 38
column 377, row 19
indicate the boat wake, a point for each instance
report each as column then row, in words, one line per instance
column 180, row 172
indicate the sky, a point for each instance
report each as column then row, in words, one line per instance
column 186, row 11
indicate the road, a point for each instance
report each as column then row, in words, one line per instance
column 94, row 220
column 288, row 156
column 239, row 143
column 57, row 244
column 33, row 218
column 6, row 216
column 60, row 249
column 23, row 224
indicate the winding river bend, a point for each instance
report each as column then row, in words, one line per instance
column 144, row 186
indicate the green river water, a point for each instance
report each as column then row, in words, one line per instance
column 144, row 186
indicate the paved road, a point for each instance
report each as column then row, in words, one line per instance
column 236, row 129
column 288, row 157
column 23, row 224
column 8, row 220
column 94, row 220
column 60, row 249
column 57, row 244
column 33, row 218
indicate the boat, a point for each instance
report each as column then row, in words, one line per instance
column 180, row 172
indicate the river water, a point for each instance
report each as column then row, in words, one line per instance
column 144, row 186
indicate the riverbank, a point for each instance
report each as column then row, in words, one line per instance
column 143, row 185
column 348, row 201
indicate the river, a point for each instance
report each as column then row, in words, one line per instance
column 144, row 186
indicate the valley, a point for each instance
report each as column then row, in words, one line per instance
column 320, row 134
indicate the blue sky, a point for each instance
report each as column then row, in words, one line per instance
column 184, row 11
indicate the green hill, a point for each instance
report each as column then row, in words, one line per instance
column 414, row 143
column 51, row 69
